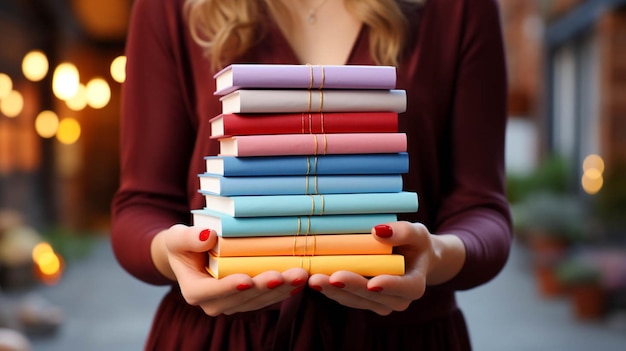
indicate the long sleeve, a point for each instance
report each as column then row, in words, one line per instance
column 475, row 207
column 157, row 139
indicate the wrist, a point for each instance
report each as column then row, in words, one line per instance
column 160, row 258
column 449, row 257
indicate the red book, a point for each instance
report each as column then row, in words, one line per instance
column 303, row 123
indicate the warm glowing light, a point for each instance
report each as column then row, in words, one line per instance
column 49, row 264
column 65, row 81
column 41, row 249
column 12, row 104
column 35, row 65
column 98, row 93
column 46, row 124
column 593, row 162
column 69, row 131
column 79, row 100
column 118, row 69
column 592, row 181
column 6, row 85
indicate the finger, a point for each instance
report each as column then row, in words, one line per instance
column 181, row 238
column 272, row 287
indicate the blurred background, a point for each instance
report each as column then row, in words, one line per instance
column 61, row 68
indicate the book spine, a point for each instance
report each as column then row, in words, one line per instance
column 365, row 265
column 303, row 123
column 313, row 205
column 308, row 77
column 294, row 101
column 313, row 144
column 393, row 163
column 300, row 185
column 303, row 245
column 227, row 226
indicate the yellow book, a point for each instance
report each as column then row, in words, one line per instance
column 365, row 265
column 303, row 245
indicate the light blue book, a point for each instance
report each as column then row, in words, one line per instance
column 227, row 226
column 230, row 166
column 312, row 205
column 300, row 185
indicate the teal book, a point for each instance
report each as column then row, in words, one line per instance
column 227, row 226
column 300, row 185
column 232, row 166
column 312, row 205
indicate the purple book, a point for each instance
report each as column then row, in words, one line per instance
column 239, row 76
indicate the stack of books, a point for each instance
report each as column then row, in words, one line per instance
column 310, row 160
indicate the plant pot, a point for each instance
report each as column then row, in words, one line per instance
column 547, row 280
column 588, row 301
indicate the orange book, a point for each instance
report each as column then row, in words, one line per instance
column 309, row 245
column 365, row 265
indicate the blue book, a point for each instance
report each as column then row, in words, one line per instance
column 395, row 163
column 300, row 185
column 227, row 226
column 312, row 205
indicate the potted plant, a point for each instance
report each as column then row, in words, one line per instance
column 583, row 282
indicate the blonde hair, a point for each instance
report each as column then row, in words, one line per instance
column 226, row 30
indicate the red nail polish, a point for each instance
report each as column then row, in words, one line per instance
column 375, row 289
column 274, row 284
column 383, row 230
column 296, row 290
column 316, row 287
column 204, row 235
column 339, row 285
column 297, row 281
column 242, row 287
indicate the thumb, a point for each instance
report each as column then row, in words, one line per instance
column 182, row 238
column 399, row 233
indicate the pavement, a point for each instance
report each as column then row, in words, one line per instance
column 106, row 309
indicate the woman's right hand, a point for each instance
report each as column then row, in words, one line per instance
column 180, row 253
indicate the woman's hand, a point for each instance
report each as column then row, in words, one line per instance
column 429, row 260
column 180, row 253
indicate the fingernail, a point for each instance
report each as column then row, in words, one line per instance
column 296, row 290
column 383, row 230
column 274, row 284
column 297, row 281
column 339, row 285
column 316, row 287
column 375, row 289
column 204, row 235
column 242, row 287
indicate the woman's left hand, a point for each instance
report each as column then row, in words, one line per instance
column 429, row 260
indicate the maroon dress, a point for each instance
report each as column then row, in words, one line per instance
column 454, row 74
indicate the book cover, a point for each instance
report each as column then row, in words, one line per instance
column 303, row 123
column 294, row 101
column 365, row 265
column 301, row 245
column 312, row 205
column 239, row 76
column 228, row 226
column 300, row 185
column 232, row 166
column 313, row 144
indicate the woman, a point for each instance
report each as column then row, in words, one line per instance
column 450, row 60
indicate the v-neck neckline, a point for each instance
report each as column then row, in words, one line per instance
column 284, row 52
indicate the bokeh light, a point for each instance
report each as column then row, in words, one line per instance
column 35, row 65
column 118, row 69
column 98, row 93
column 592, row 179
column 6, row 85
column 65, row 81
column 79, row 100
column 12, row 104
column 69, row 131
column 46, row 124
